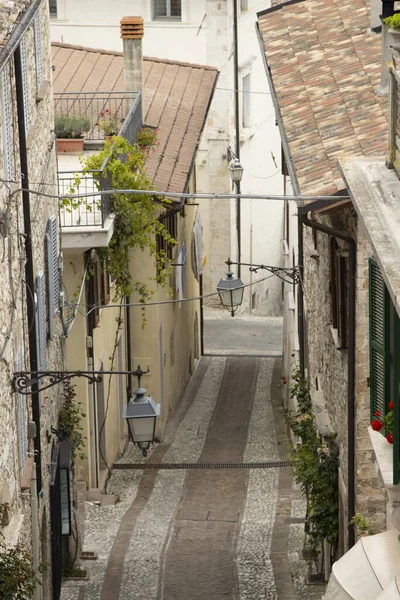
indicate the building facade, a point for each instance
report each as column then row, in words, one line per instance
column 202, row 31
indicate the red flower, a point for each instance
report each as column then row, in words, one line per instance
column 376, row 425
column 391, row 405
column 389, row 438
column 378, row 413
column 106, row 109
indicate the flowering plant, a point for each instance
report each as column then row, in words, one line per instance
column 386, row 422
column 108, row 123
column 147, row 137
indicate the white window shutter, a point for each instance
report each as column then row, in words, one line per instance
column 38, row 48
column 52, row 271
column 25, row 83
column 6, row 118
column 41, row 322
column 21, row 419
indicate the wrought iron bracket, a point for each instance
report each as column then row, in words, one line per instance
column 293, row 273
column 23, row 381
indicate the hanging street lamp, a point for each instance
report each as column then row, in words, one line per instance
column 141, row 414
column 231, row 290
column 235, row 170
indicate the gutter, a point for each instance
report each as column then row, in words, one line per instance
column 29, row 276
column 350, row 360
column 19, row 30
column 296, row 189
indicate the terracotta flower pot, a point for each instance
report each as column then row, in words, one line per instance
column 71, row 145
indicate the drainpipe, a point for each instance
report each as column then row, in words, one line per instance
column 128, row 347
column 35, row 532
column 237, row 130
column 29, row 277
column 350, row 362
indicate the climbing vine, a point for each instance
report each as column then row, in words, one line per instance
column 136, row 224
column 315, row 469
column 70, row 421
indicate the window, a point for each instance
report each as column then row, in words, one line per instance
column 6, row 118
column 52, row 272
column 246, row 100
column 384, row 353
column 53, row 9
column 338, row 289
column 244, row 5
column 38, row 51
column 167, row 9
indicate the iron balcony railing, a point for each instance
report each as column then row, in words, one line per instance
column 93, row 211
column 111, row 106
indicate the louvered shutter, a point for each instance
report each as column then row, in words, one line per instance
column 52, row 271
column 105, row 283
column 378, row 340
column 94, row 295
column 341, row 287
column 21, row 419
column 38, row 49
column 41, row 322
column 6, row 118
column 25, row 84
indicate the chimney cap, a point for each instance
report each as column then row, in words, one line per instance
column 132, row 28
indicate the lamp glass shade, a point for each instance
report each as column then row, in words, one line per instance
column 231, row 291
column 236, row 170
column 141, row 414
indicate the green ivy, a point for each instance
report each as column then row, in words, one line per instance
column 315, row 469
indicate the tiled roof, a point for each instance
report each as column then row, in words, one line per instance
column 176, row 100
column 10, row 13
column 325, row 68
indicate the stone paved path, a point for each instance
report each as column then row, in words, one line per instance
column 206, row 534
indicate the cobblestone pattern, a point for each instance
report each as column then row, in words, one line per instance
column 166, row 511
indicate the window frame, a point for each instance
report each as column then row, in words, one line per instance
column 339, row 291
column 167, row 16
column 53, row 4
column 246, row 100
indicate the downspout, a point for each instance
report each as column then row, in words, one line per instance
column 29, row 276
column 350, row 362
column 128, row 347
column 237, row 130
column 296, row 189
column 35, row 532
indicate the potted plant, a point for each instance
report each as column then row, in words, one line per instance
column 394, row 24
column 70, row 130
column 108, row 124
column 147, row 138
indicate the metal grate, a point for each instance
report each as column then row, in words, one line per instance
column 165, row 466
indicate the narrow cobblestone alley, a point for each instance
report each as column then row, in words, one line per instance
column 184, row 533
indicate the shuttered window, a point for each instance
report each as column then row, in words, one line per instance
column 105, row 283
column 21, row 419
column 384, row 348
column 6, row 119
column 38, row 50
column 93, row 293
column 24, row 69
column 41, row 322
column 52, row 271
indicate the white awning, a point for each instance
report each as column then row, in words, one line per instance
column 368, row 571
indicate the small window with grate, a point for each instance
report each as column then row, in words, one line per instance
column 170, row 222
column 339, row 292
column 53, row 9
column 97, row 287
column 167, row 9
column 52, row 278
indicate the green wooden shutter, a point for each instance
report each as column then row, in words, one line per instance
column 395, row 395
column 378, row 341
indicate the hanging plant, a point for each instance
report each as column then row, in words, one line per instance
column 18, row 580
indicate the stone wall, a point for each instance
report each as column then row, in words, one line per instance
column 14, row 325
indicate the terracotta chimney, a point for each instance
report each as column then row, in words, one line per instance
column 132, row 35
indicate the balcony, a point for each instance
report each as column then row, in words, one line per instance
column 88, row 222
